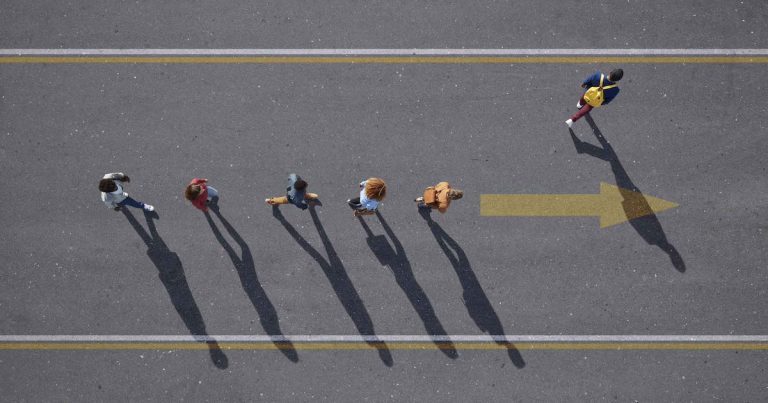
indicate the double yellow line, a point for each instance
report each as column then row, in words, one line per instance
column 335, row 346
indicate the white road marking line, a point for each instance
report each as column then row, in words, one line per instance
column 383, row 52
column 389, row 338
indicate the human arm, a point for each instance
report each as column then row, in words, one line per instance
column 610, row 94
column 591, row 81
column 117, row 176
column 108, row 200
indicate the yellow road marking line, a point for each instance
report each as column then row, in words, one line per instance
column 382, row 59
column 614, row 205
column 391, row 346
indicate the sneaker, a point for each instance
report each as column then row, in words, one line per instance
column 116, row 208
column 579, row 105
column 149, row 207
column 569, row 122
column 419, row 199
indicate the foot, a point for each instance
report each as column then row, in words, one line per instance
column 579, row 105
column 116, row 208
column 569, row 122
column 419, row 199
column 149, row 207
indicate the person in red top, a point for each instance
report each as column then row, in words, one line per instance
column 200, row 194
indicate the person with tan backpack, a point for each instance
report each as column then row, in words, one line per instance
column 600, row 91
column 439, row 197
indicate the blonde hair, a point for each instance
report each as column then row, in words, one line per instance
column 375, row 188
column 455, row 194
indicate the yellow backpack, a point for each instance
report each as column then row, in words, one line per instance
column 594, row 95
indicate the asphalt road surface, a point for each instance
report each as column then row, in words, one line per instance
column 693, row 134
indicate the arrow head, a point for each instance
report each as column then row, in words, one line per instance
column 620, row 205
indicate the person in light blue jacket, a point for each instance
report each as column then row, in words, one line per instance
column 372, row 192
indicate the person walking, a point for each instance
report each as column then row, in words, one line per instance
column 113, row 195
column 372, row 192
column 601, row 90
column 296, row 194
column 201, row 194
column 439, row 197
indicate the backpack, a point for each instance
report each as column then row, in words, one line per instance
column 430, row 195
column 594, row 95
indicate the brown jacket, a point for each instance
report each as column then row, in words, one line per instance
column 437, row 196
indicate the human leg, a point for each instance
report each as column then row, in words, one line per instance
column 212, row 193
column 355, row 203
column 277, row 200
column 128, row 201
column 583, row 111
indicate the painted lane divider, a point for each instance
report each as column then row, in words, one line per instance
column 614, row 205
column 382, row 60
column 393, row 342
column 383, row 52
column 382, row 56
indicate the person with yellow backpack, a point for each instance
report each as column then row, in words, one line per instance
column 601, row 90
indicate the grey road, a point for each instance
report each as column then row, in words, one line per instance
column 693, row 134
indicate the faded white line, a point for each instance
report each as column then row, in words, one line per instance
column 383, row 52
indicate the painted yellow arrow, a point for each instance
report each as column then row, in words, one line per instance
column 614, row 205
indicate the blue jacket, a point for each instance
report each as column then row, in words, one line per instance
column 296, row 196
column 594, row 81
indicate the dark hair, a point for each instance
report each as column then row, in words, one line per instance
column 616, row 75
column 300, row 184
column 107, row 185
column 192, row 192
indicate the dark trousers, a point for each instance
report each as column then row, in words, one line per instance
column 130, row 202
column 355, row 203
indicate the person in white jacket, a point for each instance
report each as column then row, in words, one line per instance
column 113, row 195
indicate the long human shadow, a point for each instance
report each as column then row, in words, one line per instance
column 479, row 307
column 334, row 270
column 246, row 270
column 397, row 261
column 171, row 274
column 648, row 225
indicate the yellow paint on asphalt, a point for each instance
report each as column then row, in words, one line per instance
column 379, row 345
column 383, row 59
column 614, row 205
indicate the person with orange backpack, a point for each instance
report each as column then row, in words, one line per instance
column 438, row 197
column 601, row 90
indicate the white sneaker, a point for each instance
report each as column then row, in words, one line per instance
column 569, row 122
column 579, row 105
column 149, row 207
